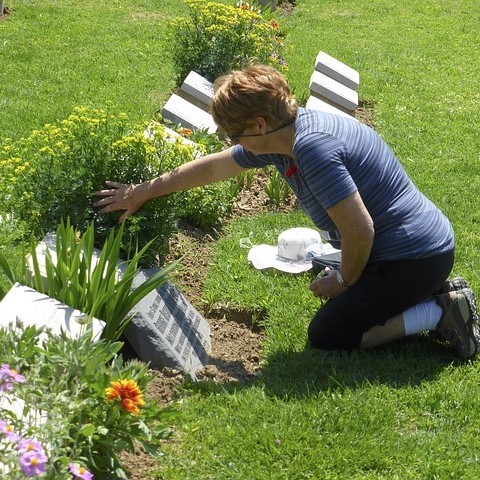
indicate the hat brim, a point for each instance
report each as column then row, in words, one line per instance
column 265, row 256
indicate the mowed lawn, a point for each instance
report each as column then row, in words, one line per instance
column 406, row 411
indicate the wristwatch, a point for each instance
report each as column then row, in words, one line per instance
column 341, row 281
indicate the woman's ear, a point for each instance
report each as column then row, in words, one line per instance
column 262, row 124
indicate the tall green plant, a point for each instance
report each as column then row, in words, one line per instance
column 277, row 188
column 218, row 38
column 97, row 284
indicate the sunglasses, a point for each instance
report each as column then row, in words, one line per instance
column 233, row 138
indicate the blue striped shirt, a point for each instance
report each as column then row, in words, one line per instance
column 337, row 156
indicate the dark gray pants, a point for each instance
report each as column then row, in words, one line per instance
column 384, row 290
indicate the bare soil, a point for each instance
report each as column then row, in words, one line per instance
column 5, row 11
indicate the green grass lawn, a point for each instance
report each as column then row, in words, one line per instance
column 406, row 411
column 55, row 55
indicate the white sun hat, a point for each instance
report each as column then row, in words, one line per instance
column 291, row 253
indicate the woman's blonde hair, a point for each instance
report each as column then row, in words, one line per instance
column 255, row 91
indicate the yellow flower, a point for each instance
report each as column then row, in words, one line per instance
column 128, row 392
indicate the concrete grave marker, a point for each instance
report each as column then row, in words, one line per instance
column 179, row 110
column 333, row 92
column 32, row 308
column 166, row 330
column 333, row 68
column 197, row 90
column 315, row 103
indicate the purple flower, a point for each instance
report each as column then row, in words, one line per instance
column 29, row 445
column 33, row 463
column 8, row 376
column 80, row 472
column 9, row 431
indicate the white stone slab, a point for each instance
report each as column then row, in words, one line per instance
column 49, row 243
column 179, row 110
column 315, row 103
column 337, row 70
column 32, row 308
column 199, row 88
column 333, row 92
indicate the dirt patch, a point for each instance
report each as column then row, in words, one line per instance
column 6, row 11
column 364, row 113
column 236, row 339
column 235, row 336
column 286, row 7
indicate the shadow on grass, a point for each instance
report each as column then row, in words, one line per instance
column 298, row 374
column 293, row 375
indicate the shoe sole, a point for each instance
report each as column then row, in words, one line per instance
column 464, row 321
column 472, row 322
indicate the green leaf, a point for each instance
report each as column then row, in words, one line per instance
column 88, row 430
column 37, row 278
column 7, row 270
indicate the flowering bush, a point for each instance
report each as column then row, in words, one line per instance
column 218, row 38
column 78, row 404
column 53, row 173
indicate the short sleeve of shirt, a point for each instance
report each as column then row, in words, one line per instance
column 323, row 163
column 249, row 160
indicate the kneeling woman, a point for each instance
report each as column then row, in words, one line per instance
column 397, row 246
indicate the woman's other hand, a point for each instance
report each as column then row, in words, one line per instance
column 326, row 285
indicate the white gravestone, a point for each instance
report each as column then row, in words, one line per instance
column 197, row 90
column 333, row 92
column 181, row 111
column 32, row 308
column 333, row 68
column 167, row 330
column 314, row 103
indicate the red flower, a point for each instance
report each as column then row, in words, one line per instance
column 291, row 170
column 128, row 393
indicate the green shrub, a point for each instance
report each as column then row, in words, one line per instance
column 52, row 174
column 218, row 38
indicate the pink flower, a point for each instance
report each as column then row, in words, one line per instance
column 80, row 472
column 9, row 431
